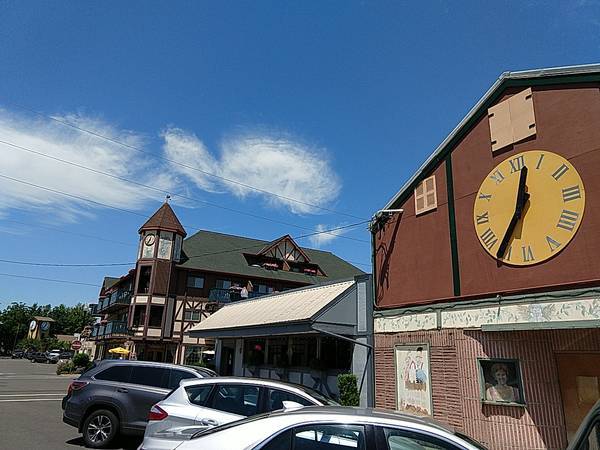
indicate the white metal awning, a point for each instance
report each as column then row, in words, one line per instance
column 291, row 311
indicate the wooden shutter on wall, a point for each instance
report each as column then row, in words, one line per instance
column 425, row 196
column 512, row 120
column 161, row 277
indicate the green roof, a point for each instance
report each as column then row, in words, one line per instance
column 217, row 252
column 109, row 282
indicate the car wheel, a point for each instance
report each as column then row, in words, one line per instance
column 100, row 428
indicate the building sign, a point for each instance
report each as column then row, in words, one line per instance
column 413, row 382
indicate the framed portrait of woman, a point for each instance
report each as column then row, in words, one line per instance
column 501, row 382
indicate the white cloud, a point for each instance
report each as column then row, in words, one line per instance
column 49, row 137
column 278, row 164
column 322, row 239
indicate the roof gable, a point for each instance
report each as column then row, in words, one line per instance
column 527, row 78
column 164, row 219
column 225, row 253
column 285, row 248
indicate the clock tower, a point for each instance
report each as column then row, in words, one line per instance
column 160, row 244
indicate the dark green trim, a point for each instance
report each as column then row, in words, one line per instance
column 452, row 226
column 507, row 83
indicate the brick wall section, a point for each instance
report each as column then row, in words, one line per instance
column 455, row 382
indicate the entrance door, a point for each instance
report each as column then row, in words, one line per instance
column 579, row 378
column 226, row 361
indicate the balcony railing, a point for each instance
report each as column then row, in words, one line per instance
column 117, row 298
column 115, row 327
column 221, row 295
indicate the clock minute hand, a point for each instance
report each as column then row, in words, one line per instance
column 522, row 197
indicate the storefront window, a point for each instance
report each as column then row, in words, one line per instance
column 300, row 350
column 193, row 354
column 254, row 352
column 278, row 349
column 336, row 353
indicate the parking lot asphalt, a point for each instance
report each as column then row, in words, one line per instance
column 30, row 409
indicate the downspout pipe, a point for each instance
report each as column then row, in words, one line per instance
column 368, row 363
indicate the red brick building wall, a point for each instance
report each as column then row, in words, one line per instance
column 455, row 382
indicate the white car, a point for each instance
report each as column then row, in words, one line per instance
column 331, row 428
column 200, row 404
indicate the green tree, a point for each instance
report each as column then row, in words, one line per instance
column 70, row 319
column 15, row 319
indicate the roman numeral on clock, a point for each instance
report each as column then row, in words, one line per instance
column 568, row 220
column 571, row 193
column 527, row 254
column 516, row 164
column 484, row 218
column 552, row 243
column 560, row 172
column 489, row 238
column 497, row 177
column 539, row 163
column 487, row 197
column 507, row 254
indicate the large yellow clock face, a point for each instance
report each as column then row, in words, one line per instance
column 524, row 217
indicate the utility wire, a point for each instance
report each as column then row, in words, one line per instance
column 28, row 263
column 48, row 279
column 126, row 180
column 262, row 244
column 181, row 164
column 73, row 233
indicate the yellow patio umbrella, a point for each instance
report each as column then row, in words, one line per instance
column 119, row 351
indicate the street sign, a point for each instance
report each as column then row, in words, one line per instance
column 75, row 345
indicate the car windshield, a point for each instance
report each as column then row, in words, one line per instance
column 470, row 440
column 326, row 401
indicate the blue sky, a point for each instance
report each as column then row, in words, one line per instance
column 331, row 103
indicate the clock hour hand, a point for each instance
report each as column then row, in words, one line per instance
column 522, row 197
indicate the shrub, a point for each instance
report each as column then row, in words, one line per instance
column 197, row 364
column 81, row 360
column 65, row 367
column 348, row 388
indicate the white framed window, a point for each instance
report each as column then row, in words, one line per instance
column 425, row 196
column 194, row 281
column 165, row 245
column 192, row 315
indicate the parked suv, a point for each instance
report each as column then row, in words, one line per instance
column 197, row 405
column 115, row 396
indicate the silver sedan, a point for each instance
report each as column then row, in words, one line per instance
column 200, row 404
column 331, row 428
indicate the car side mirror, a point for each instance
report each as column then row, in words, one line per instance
column 288, row 404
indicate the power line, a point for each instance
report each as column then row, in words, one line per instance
column 28, row 263
column 126, row 180
column 181, row 164
column 262, row 244
column 48, row 279
column 57, row 229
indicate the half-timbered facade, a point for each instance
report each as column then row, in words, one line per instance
column 178, row 281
